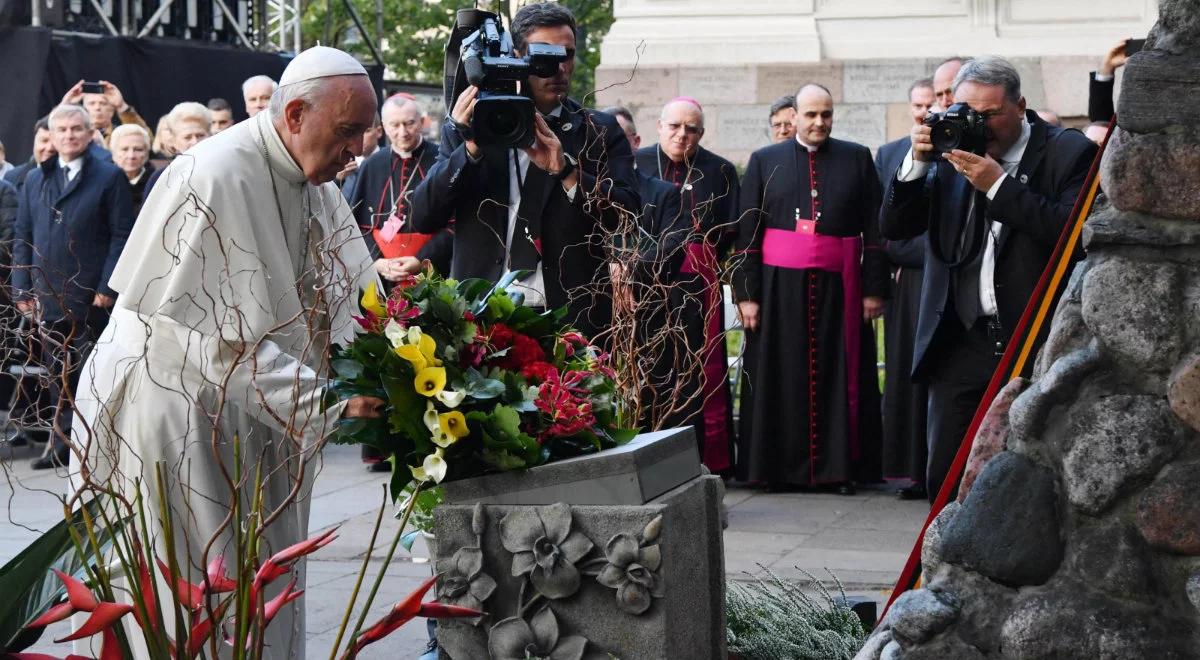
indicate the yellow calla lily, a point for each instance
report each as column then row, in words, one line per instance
column 454, row 424
column 430, row 381
column 413, row 355
column 429, row 349
column 371, row 303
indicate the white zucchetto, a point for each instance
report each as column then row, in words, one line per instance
column 321, row 62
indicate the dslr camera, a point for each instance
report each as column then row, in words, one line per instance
column 959, row 127
column 481, row 53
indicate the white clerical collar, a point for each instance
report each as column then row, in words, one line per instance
column 281, row 161
column 1017, row 150
column 806, row 145
column 409, row 154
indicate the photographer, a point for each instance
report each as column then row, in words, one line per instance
column 994, row 218
column 544, row 208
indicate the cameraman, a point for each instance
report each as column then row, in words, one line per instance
column 996, row 220
column 546, row 208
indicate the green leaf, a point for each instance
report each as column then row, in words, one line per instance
column 444, row 311
column 507, row 421
column 473, row 289
column 29, row 587
column 408, row 408
column 347, row 369
column 502, row 459
column 485, row 389
column 622, row 436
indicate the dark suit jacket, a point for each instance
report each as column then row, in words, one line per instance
column 68, row 239
column 909, row 253
column 714, row 194
column 664, row 229
column 363, row 195
column 9, row 205
column 1100, row 98
column 572, row 232
column 16, row 176
column 1031, row 216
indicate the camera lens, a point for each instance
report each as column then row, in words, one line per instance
column 504, row 121
column 946, row 136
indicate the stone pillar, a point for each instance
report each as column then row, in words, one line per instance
column 1080, row 536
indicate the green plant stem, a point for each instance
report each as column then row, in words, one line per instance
column 412, row 503
column 362, row 572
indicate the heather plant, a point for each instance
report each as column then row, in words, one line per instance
column 771, row 618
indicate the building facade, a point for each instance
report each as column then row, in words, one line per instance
column 738, row 57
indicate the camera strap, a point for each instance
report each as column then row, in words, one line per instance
column 968, row 242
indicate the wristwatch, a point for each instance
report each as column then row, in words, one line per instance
column 464, row 130
column 568, row 167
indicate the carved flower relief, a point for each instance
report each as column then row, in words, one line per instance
column 462, row 581
column 545, row 547
column 631, row 571
column 514, row 639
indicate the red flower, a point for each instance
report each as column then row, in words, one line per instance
column 500, row 336
column 469, row 317
column 524, row 350
column 564, row 402
column 535, row 372
column 399, row 308
column 405, row 611
column 80, row 599
column 280, row 562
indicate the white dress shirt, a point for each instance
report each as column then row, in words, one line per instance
column 72, row 166
column 913, row 169
column 533, row 286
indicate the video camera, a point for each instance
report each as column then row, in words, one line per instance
column 959, row 127
column 481, row 53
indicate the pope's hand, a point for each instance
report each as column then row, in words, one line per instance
column 363, row 406
column 464, row 109
column 102, row 300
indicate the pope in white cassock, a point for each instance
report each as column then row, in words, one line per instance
column 243, row 267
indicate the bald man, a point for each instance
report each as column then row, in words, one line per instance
column 943, row 82
column 709, row 187
column 808, row 277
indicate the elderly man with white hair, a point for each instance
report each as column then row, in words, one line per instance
column 242, row 270
column 708, row 185
column 256, row 92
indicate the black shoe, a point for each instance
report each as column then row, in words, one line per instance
column 379, row 466
column 914, row 492
column 18, row 440
column 57, row 458
column 846, row 489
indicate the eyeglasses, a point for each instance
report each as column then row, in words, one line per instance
column 690, row 129
column 781, row 126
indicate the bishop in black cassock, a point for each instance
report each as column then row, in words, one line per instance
column 708, row 186
column 386, row 181
column 808, row 255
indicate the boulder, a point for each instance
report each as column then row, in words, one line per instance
column 986, row 537
column 918, row 615
column 1117, row 441
column 1168, row 513
column 1133, row 309
column 1183, row 392
column 992, row 434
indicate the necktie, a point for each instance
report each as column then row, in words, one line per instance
column 523, row 253
column 966, row 298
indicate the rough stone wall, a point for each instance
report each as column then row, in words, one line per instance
column 1078, row 534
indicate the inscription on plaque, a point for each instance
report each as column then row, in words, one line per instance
column 718, row 84
column 863, row 123
column 880, row 81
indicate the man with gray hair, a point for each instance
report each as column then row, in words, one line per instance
column 243, row 268
column 994, row 218
column 782, row 117
column 75, row 213
column 256, row 92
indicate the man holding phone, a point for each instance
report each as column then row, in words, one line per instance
column 103, row 100
column 1103, row 80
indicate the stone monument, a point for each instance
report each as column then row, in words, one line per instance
column 1080, row 536
column 616, row 554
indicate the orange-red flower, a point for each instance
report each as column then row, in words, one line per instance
column 405, row 611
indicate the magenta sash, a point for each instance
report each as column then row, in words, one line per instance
column 794, row 249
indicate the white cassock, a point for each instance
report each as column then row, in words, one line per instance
column 236, row 279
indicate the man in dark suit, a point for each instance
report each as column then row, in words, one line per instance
column 43, row 149
column 993, row 222
column 547, row 208
column 75, row 214
column 904, row 402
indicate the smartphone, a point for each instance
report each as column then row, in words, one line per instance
column 1133, row 46
column 92, row 88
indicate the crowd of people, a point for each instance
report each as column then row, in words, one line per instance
column 817, row 238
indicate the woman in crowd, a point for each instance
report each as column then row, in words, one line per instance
column 131, row 152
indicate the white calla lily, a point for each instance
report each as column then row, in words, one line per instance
column 433, row 467
column 395, row 333
column 414, row 335
column 431, row 418
column 443, row 439
column 451, row 398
